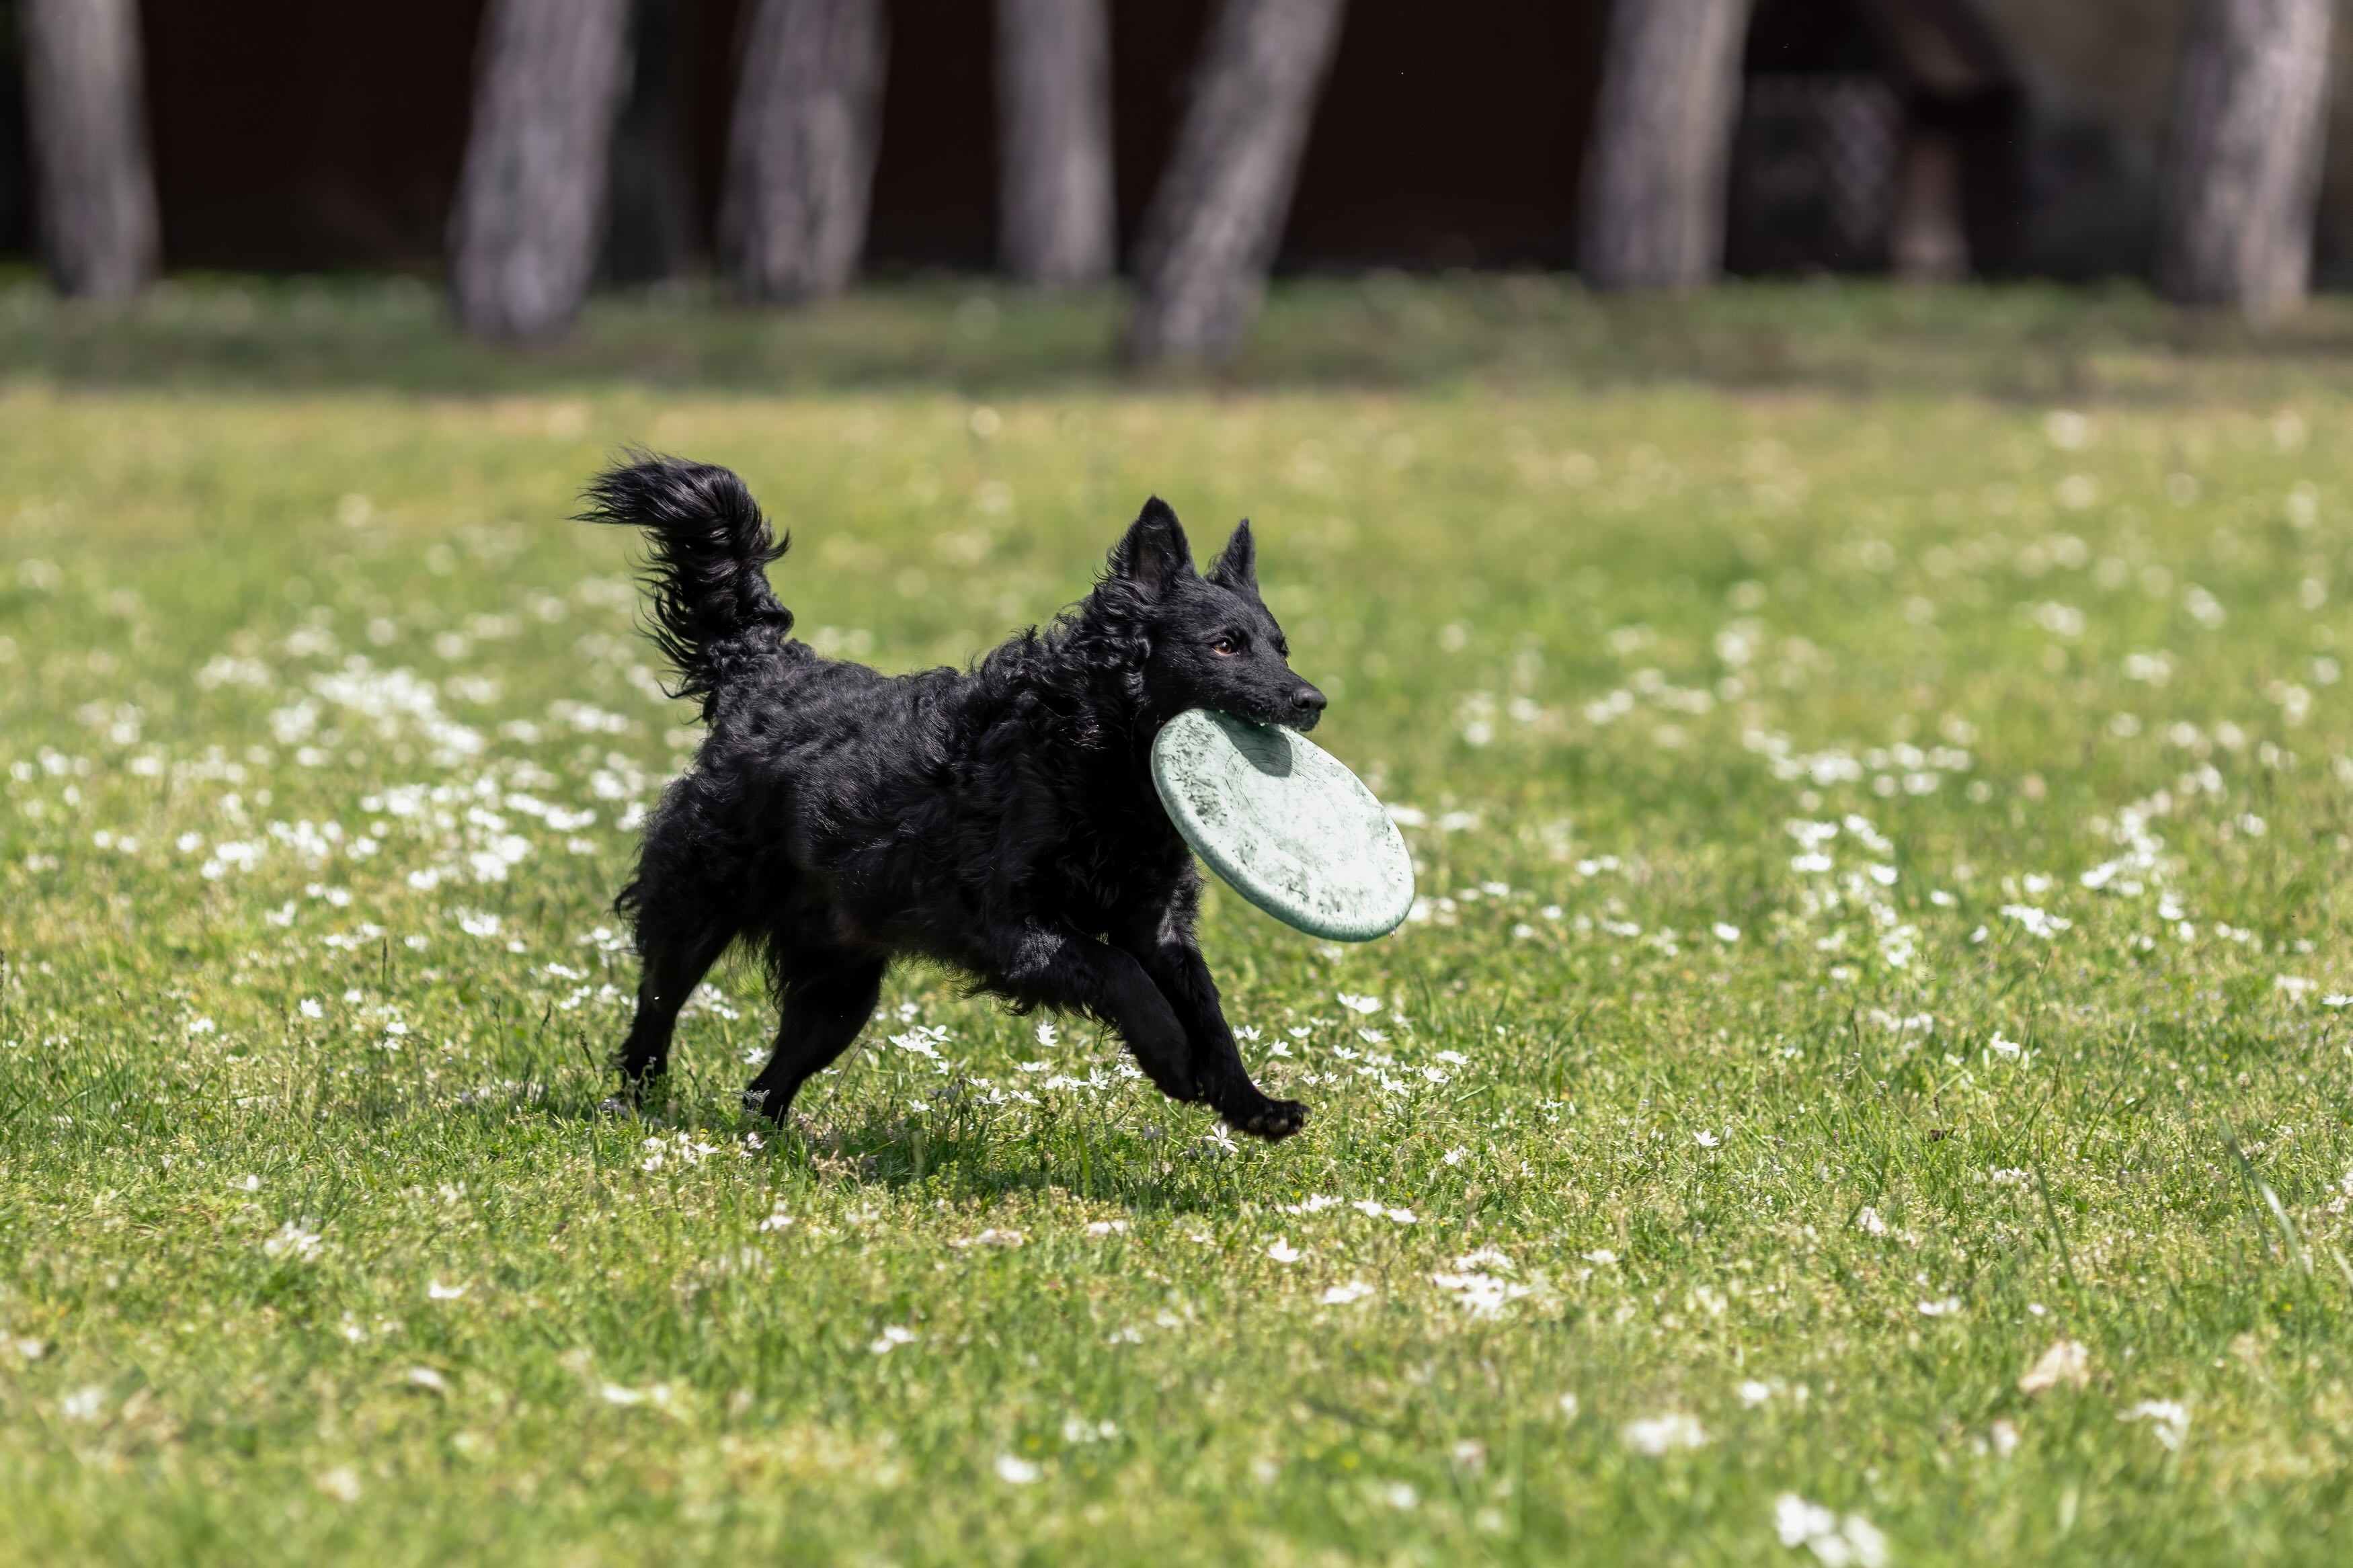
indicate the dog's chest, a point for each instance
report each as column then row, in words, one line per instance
column 1111, row 859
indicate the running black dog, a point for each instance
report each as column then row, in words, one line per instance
column 1001, row 820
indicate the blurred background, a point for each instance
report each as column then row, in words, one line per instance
column 525, row 154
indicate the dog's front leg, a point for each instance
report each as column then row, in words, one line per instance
column 1182, row 975
column 1050, row 968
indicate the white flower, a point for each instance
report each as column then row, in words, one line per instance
column 1568, row 1406
column 1706, row 1139
column 1106, row 1226
column 1949, row 1307
column 1016, row 1472
column 1283, row 1252
column 200, row 1025
column 1355, row 1290
column 613, row 1393
column 84, row 1405
column 1456, row 1156
column 1046, row 1035
column 992, row 1237
column 1869, row 1223
column 1359, row 1003
column 2169, row 1420
column 1852, row 1542
column 1398, row 1495
column 1753, row 1392
column 427, row 1378
column 1480, row 1295
column 1220, row 1140
column 2007, row 1049
column 477, row 924
column 1726, row 932
column 308, row 1007
column 341, row 1483
column 1797, row 1521
column 891, row 1336
column 437, row 1291
column 294, row 1239
column 1601, row 1254
column 2036, row 921
column 1662, row 1433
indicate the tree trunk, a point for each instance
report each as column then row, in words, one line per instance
column 1211, row 232
column 530, row 199
column 88, row 122
column 2245, row 168
column 1053, row 77
column 800, row 153
column 1654, row 180
column 649, row 227
column 1927, row 239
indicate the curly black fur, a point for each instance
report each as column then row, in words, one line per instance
column 1000, row 819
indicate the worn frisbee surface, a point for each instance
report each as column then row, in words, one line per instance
column 1286, row 823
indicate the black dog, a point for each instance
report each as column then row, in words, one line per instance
column 1001, row 820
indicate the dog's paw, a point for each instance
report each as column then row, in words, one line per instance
column 1272, row 1120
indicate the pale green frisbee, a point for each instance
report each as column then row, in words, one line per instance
column 1286, row 823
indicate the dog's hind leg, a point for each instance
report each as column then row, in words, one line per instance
column 675, row 964
column 684, row 913
column 827, row 1001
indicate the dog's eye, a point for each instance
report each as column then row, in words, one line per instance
column 1225, row 647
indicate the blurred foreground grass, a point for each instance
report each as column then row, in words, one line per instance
column 1879, row 767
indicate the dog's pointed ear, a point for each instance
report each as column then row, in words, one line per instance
column 1153, row 554
column 1235, row 566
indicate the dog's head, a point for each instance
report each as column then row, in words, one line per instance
column 1207, row 639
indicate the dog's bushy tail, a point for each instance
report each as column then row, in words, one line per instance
column 706, row 570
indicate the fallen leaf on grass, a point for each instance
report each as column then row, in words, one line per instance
column 2065, row 1362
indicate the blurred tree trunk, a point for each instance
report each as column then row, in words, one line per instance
column 1211, row 232
column 1927, row 239
column 650, row 228
column 86, row 103
column 800, row 153
column 530, row 199
column 1655, row 176
column 2244, row 175
column 1054, row 102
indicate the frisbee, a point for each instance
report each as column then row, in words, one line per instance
column 1286, row 823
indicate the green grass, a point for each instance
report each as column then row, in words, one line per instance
column 304, row 680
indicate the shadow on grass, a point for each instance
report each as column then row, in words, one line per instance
column 972, row 336
column 960, row 1148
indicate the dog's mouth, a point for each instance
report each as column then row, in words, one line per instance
column 1274, row 717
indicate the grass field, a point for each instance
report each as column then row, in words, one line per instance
column 1865, row 1084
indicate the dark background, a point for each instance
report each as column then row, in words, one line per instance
column 306, row 135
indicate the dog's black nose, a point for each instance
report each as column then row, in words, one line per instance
column 1307, row 703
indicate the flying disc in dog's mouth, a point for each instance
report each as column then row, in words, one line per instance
column 1286, row 823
